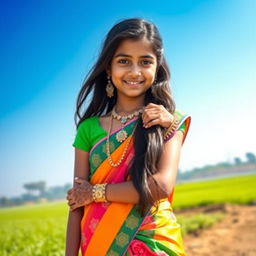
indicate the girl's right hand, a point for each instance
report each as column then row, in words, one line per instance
column 80, row 195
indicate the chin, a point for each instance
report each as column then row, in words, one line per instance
column 135, row 94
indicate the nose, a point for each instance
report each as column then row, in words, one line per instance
column 135, row 71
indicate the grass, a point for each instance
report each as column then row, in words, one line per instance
column 33, row 230
column 240, row 190
column 196, row 222
column 40, row 229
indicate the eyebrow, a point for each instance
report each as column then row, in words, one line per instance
column 129, row 56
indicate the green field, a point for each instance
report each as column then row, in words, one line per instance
column 241, row 190
column 40, row 229
column 33, row 230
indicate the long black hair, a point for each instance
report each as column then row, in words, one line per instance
column 148, row 143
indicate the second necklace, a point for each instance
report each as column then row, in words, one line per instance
column 122, row 134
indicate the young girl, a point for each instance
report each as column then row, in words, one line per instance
column 127, row 150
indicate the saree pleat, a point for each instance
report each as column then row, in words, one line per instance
column 161, row 232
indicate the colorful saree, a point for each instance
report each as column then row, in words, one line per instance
column 115, row 229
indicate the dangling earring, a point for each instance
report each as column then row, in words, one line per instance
column 110, row 88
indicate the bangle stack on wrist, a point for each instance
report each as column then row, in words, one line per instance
column 99, row 193
column 171, row 128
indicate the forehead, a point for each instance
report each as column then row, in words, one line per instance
column 135, row 48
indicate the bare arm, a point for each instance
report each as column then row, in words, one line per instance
column 73, row 236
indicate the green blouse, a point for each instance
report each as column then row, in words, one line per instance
column 89, row 132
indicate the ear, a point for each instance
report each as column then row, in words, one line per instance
column 108, row 70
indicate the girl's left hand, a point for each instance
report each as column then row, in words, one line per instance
column 80, row 195
column 154, row 114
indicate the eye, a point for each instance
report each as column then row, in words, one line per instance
column 146, row 62
column 123, row 61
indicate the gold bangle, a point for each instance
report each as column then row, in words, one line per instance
column 99, row 192
column 171, row 128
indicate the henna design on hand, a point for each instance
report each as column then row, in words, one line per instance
column 80, row 196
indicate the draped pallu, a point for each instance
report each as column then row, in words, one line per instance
column 115, row 229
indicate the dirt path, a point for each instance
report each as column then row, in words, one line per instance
column 235, row 235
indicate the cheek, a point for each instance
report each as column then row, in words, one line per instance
column 116, row 76
column 116, row 72
column 150, row 74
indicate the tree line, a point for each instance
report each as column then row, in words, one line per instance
column 238, row 166
column 36, row 192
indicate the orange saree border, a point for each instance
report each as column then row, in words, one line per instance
column 106, row 223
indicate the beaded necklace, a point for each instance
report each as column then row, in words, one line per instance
column 125, row 149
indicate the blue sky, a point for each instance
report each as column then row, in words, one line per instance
column 48, row 46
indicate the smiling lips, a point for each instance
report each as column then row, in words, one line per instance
column 133, row 82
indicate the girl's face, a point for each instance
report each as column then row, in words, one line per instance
column 133, row 68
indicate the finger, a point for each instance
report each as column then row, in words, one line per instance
column 151, row 105
column 71, row 203
column 150, row 118
column 150, row 110
column 152, row 123
column 69, row 196
column 147, row 109
column 149, row 113
column 71, row 199
column 69, row 191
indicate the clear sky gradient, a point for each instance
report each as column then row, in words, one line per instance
column 47, row 47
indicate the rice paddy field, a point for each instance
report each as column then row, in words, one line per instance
column 33, row 230
column 40, row 229
column 240, row 190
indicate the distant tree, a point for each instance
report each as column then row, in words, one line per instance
column 36, row 186
column 251, row 158
column 28, row 197
column 16, row 200
column 237, row 160
column 4, row 201
column 222, row 165
column 41, row 186
column 57, row 192
column 29, row 187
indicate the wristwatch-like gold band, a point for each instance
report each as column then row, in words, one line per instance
column 99, row 192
